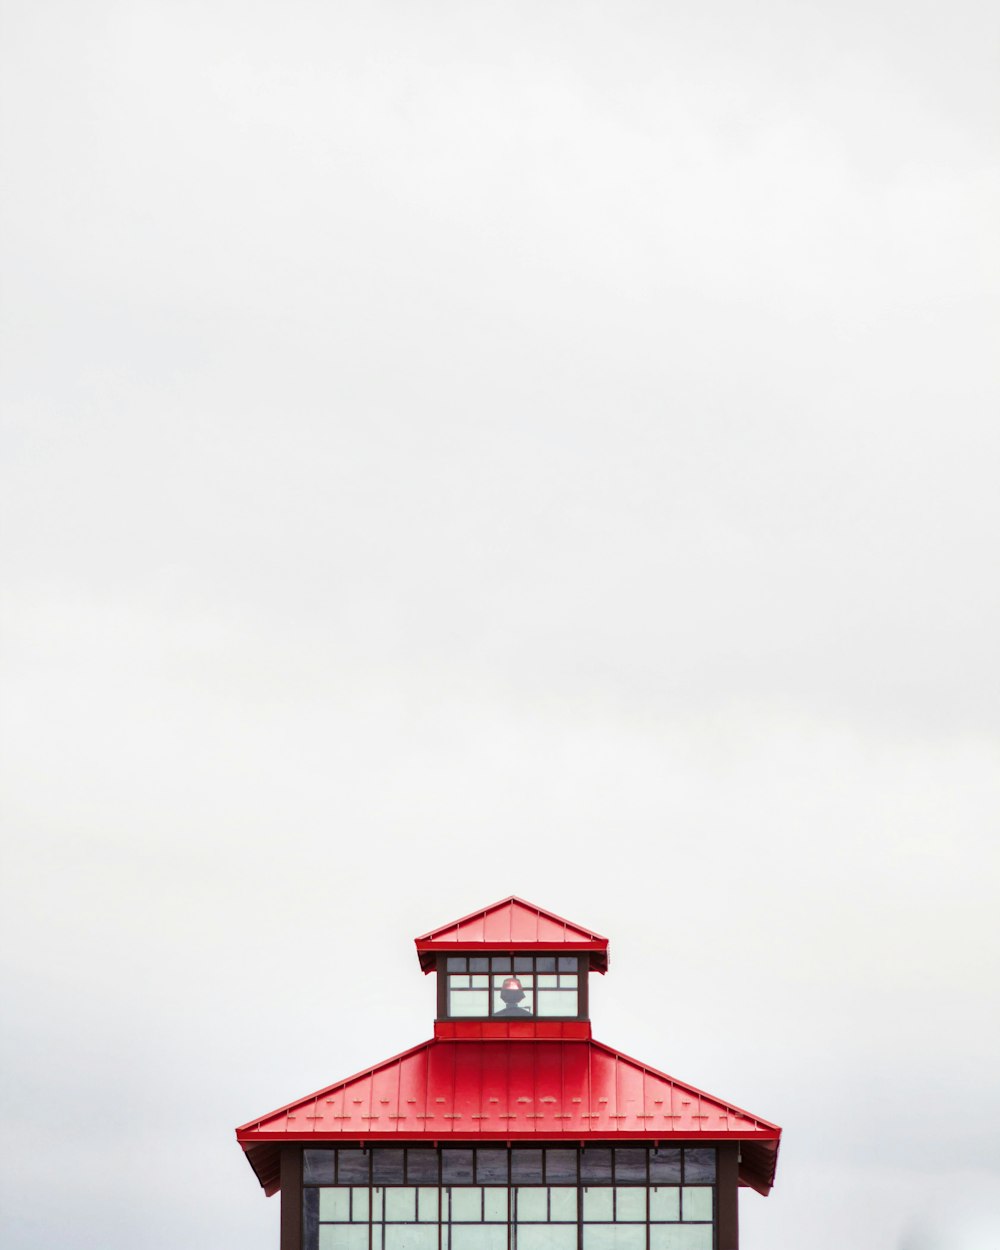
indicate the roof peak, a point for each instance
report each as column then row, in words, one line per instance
column 512, row 923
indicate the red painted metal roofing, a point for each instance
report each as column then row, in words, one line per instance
column 509, row 925
column 512, row 1090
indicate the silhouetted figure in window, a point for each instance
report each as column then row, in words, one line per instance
column 511, row 993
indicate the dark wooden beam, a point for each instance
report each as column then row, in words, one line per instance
column 727, row 1196
column 291, row 1198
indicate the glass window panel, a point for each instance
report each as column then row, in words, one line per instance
column 501, row 963
column 630, row 1164
column 411, row 1237
column 491, row 1165
column 335, row 1204
column 567, row 963
column 532, row 1204
column 467, row 1204
column 545, row 1237
column 545, row 963
column 562, row 1203
column 318, row 1167
column 421, row 1165
column 343, row 1237
column 458, row 983
column 456, row 1167
column 526, row 1166
column 680, row 1237
column 526, row 979
column 401, row 1204
column 310, row 1218
column 548, row 981
column 560, row 1165
column 523, row 963
column 480, row 981
column 614, row 1237
column 479, row 963
column 557, row 1003
column 352, row 1166
column 479, row 1237
column 568, row 982
column 665, row 1203
column 699, row 1164
column 469, row 1003
column 696, row 1202
column 630, row 1203
column 387, row 1166
column 595, row 1164
column 665, row 1164
column 523, row 1007
column 359, row 1205
column 428, row 1204
column 597, row 1203
column 377, row 1203
column 495, row 1204
column 458, row 963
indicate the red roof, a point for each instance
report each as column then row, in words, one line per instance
column 512, row 925
column 511, row 1090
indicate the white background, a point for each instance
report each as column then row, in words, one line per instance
column 463, row 449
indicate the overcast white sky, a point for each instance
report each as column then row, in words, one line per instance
column 454, row 449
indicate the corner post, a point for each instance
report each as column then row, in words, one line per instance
column 291, row 1198
column 727, row 1191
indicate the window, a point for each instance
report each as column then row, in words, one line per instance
column 512, row 986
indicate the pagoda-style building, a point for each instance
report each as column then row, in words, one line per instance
column 511, row 1128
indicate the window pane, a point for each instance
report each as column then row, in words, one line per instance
column 696, row 1202
column 456, row 1167
column 334, row 1204
column 546, row 1237
column 548, row 982
column 479, row 963
column 480, row 980
column 665, row 1203
column 630, row 1164
column 387, row 1166
column 343, row 1237
column 630, row 1204
column 467, row 1204
column 597, row 1203
column 352, row 1166
column 560, row 1165
column 359, row 1205
column 479, row 1237
column 614, row 1237
column 567, row 963
column 523, row 1007
column 680, row 1237
column 428, row 1204
column 557, row 1003
column 532, row 1204
column 501, row 963
column 491, row 1165
column 524, row 963
column 545, row 963
column 421, row 1165
column 401, row 1205
column 495, row 1205
column 410, row 1237
column 317, row 1167
column 526, row 1165
column 310, row 1219
column 568, row 982
column 699, row 1164
column 377, row 1195
column 562, row 1204
column 469, row 1003
column 458, row 963
column 459, row 983
column 595, row 1164
column 665, row 1165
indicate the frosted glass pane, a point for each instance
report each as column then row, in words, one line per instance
column 411, row 1237
column 495, row 1205
column 680, row 1237
column 546, row 1237
column 467, row 1204
column 548, row 981
column 359, row 1205
column 401, row 1204
column 480, row 981
column 532, row 1204
column 696, row 1202
column 479, row 1237
column 562, row 1204
column 630, row 1204
column 597, row 1203
column 334, row 1204
column 343, row 1237
column 614, row 1237
column 428, row 1204
column 665, row 1203
column 557, row 1002
column 469, row 1003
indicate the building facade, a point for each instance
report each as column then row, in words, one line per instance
column 512, row 1128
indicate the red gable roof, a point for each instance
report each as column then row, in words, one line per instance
column 512, row 925
column 511, row 1090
